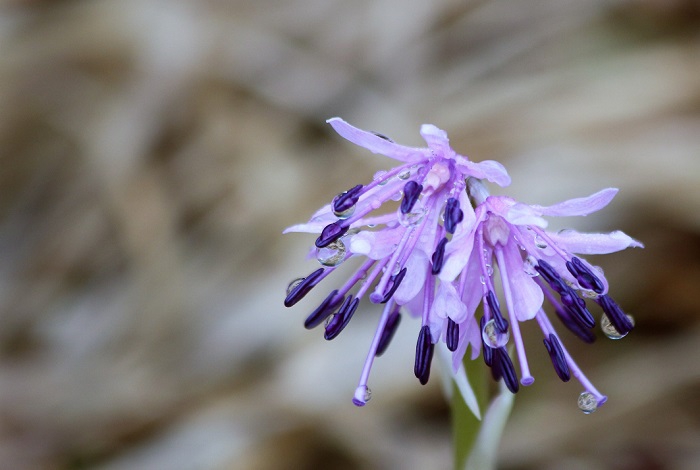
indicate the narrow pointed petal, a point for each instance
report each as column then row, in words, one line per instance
column 412, row 283
column 376, row 144
column 436, row 139
column 523, row 214
column 527, row 295
column 375, row 245
column 447, row 303
column 488, row 169
column 579, row 206
column 594, row 243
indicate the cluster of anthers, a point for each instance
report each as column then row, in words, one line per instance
column 436, row 256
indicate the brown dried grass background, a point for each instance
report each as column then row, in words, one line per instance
column 152, row 152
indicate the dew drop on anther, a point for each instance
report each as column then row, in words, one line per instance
column 529, row 266
column 292, row 285
column 609, row 329
column 492, row 337
column 344, row 214
column 332, row 255
column 414, row 217
column 362, row 395
column 587, row 402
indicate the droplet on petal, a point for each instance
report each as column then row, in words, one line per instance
column 492, row 337
column 587, row 402
column 381, row 177
column 362, row 395
column 529, row 266
column 539, row 243
column 609, row 329
column 333, row 254
column 404, row 175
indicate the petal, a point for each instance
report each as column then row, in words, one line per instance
column 376, row 144
column 526, row 294
column 460, row 379
column 412, row 284
column 579, row 206
column 487, row 169
column 437, row 140
column 448, row 304
column 459, row 249
column 523, row 214
column 375, row 245
column 594, row 243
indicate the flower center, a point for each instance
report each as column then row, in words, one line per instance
column 438, row 175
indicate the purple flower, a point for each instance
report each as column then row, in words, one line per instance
column 403, row 249
column 533, row 264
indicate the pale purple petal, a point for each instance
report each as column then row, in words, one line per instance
column 579, row 206
column 459, row 249
column 488, row 169
column 594, row 243
column 523, row 214
column 375, row 245
column 416, row 269
column 527, row 295
column 447, row 303
column 437, row 140
column 376, row 144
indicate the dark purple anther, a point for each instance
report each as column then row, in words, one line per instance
column 583, row 333
column 342, row 318
column 547, row 272
column 411, row 191
column 396, row 282
column 585, row 277
column 424, row 355
column 392, row 323
column 452, row 337
column 346, row 200
column 303, row 288
column 322, row 311
column 331, row 233
column 576, row 306
column 439, row 256
column 506, row 369
column 556, row 354
column 615, row 314
column 500, row 322
column 453, row 215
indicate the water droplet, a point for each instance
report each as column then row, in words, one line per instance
column 292, row 285
column 404, row 175
column 587, row 402
column 332, row 255
column 492, row 337
column 344, row 214
column 414, row 217
column 397, row 269
column 489, row 270
column 380, row 175
column 371, row 225
column 522, row 247
column 362, row 395
column 482, row 279
column 609, row 329
column 397, row 196
column 589, row 294
column 529, row 266
column 329, row 320
column 539, row 243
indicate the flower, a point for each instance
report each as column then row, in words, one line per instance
column 533, row 264
column 403, row 249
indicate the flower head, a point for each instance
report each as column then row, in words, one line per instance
column 533, row 264
column 403, row 249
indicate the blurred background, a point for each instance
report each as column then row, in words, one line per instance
column 153, row 151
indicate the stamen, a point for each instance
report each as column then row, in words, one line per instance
column 395, row 285
column 557, row 356
column 575, row 305
column 323, row 310
column 452, row 336
column 570, row 321
column 362, row 392
column 303, row 288
column 346, row 200
column 439, row 256
column 617, row 317
column 424, row 355
column 506, row 369
column 453, row 215
column 500, row 322
column 342, row 318
column 392, row 323
column 331, row 233
column 411, row 191
column 585, row 277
